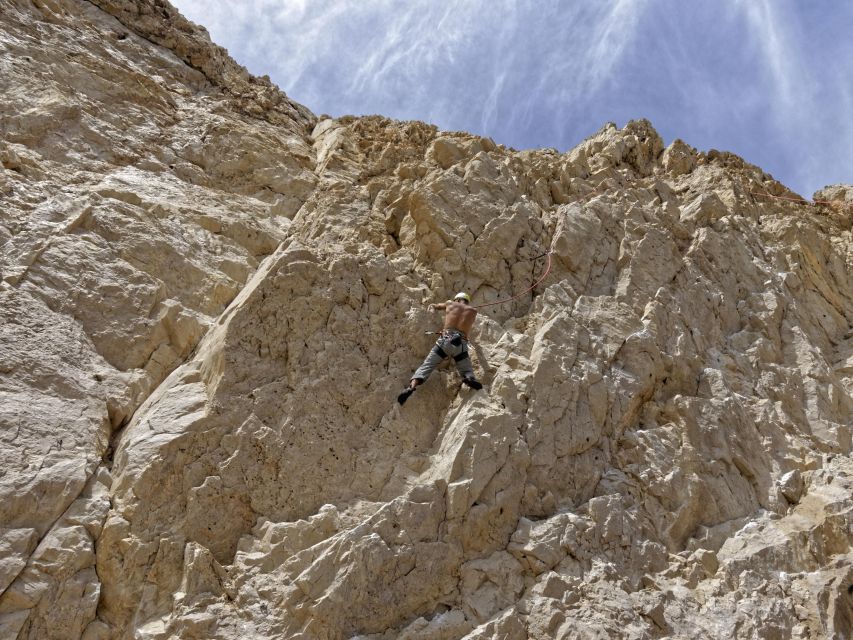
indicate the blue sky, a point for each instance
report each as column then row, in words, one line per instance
column 771, row 80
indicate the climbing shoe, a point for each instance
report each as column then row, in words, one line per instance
column 404, row 395
column 473, row 383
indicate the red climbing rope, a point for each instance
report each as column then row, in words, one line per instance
column 530, row 288
column 799, row 200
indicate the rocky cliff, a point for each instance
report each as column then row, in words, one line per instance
column 210, row 298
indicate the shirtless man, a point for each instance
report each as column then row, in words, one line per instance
column 459, row 317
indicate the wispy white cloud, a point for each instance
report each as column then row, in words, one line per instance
column 492, row 103
column 780, row 50
column 802, row 95
column 615, row 31
column 551, row 51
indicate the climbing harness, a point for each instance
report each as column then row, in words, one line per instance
column 447, row 332
column 530, row 288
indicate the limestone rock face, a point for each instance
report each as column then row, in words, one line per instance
column 210, row 299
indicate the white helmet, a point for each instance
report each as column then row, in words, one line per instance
column 462, row 296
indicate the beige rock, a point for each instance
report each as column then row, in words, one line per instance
column 16, row 546
column 445, row 152
column 678, row 158
column 210, row 298
column 792, row 486
column 706, row 209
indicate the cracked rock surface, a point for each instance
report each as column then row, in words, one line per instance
column 209, row 298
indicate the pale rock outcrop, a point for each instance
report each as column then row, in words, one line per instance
column 117, row 256
column 210, row 298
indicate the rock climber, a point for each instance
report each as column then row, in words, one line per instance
column 459, row 317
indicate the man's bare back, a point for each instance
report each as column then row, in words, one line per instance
column 457, row 315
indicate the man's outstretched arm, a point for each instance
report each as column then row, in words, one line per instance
column 441, row 306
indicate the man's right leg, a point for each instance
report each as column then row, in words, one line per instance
column 433, row 359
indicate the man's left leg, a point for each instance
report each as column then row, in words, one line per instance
column 466, row 368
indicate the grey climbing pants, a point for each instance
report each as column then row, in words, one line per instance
column 452, row 344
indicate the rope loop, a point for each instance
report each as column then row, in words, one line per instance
column 530, row 288
column 800, row 200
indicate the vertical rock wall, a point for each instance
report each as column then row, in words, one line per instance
column 210, row 299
